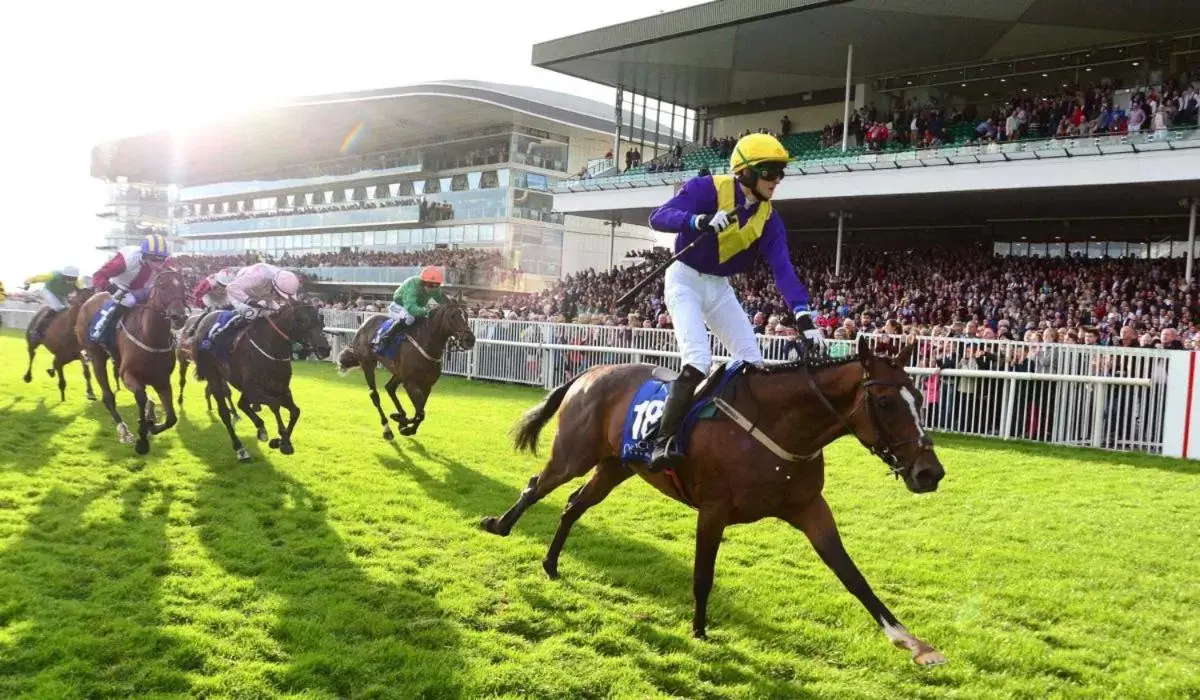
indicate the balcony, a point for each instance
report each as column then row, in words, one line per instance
column 294, row 222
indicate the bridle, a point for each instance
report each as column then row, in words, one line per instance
column 886, row 449
column 453, row 342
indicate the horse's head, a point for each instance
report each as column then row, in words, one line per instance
column 309, row 329
column 168, row 297
column 890, row 425
column 452, row 317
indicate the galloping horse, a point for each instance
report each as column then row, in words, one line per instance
column 738, row 469
column 145, row 353
column 259, row 365
column 417, row 364
column 59, row 338
column 186, row 356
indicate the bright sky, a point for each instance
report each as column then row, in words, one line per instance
column 102, row 71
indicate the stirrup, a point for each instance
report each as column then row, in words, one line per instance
column 666, row 454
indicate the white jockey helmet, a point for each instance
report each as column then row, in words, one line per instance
column 69, row 271
column 223, row 277
column 287, row 284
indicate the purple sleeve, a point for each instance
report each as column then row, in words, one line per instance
column 697, row 196
column 775, row 250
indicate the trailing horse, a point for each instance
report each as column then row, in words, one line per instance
column 258, row 363
column 761, row 457
column 144, row 342
column 59, row 338
column 186, row 356
column 414, row 360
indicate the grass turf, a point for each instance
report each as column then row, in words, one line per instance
column 355, row 568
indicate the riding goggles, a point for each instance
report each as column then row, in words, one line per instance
column 771, row 171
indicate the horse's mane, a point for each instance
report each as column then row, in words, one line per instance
column 810, row 359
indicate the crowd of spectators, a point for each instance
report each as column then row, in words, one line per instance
column 953, row 292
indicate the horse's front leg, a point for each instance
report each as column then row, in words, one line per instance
column 99, row 360
column 244, row 404
column 816, row 521
column 418, row 395
column 142, row 446
column 87, row 378
column 710, row 526
column 399, row 416
column 284, row 443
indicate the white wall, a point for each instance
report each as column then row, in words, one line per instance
column 586, row 243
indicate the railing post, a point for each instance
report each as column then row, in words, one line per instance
column 1006, row 414
column 1098, row 414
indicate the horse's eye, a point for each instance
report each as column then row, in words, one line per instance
column 887, row 403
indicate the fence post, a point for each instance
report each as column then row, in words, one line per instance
column 1098, row 414
column 1006, row 414
column 471, row 359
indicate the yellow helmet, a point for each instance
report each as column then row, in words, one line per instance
column 753, row 149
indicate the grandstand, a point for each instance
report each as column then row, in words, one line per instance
column 1023, row 121
column 349, row 183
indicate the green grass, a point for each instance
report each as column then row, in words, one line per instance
column 355, row 568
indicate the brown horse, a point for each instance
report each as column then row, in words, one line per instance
column 145, row 348
column 259, row 365
column 742, row 470
column 417, row 365
column 59, row 338
column 186, row 356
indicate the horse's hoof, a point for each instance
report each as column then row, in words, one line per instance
column 28, row 377
column 273, row 444
column 388, row 435
column 91, row 396
column 408, row 430
column 929, row 657
column 142, row 446
column 287, row 449
column 50, row 373
column 551, row 569
column 234, row 418
column 399, row 418
column 700, row 634
column 262, row 435
column 243, row 455
column 489, row 525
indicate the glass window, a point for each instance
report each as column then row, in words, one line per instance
column 1137, row 250
column 369, row 238
column 471, row 233
column 1020, row 249
column 1117, row 250
column 1097, row 249
column 403, row 236
column 1057, row 250
column 1001, row 249
column 502, row 177
column 356, row 238
column 443, row 234
column 500, row 233
column 307, row 240
column 486, row 232
column 1160, row 249
column 1179, row 249
column 473, row 180
column 1077, row 248
column 326, row 240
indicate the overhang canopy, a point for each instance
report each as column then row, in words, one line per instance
column 734, row 50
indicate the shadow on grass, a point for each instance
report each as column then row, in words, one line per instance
column 343, row 633
column 1069, row 454
column 27, row 425
column 629, row 565
column 79, row 598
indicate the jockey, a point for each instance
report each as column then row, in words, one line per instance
column 258, row 289
column 734, row 216
column 56, row 287
column 211, row 294
column 411, row 298
column 131, row 271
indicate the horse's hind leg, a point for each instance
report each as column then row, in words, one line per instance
column 564, row 464
column 164, row 397
column 418, row 395
column 368, row 368
column 33, row 346
column 99, row 361
column 817, row 523
column 221, row 393
column 183, row 367
column 610, row 474
column 399, row 416
column 284, row 443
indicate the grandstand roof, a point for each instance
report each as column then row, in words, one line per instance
column 314, row 128
column 733, row 50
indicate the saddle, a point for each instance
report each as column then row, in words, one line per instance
column 395, row 342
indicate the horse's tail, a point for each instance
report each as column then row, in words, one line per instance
column 529, row 426
column 348, row 359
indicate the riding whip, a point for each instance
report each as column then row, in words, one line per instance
column 656, row 272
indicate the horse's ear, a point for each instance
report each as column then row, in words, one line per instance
column 864, row 349
column 905, row 354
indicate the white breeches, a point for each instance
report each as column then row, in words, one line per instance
column 51, row 300
column 694, row 300
column 125, row 297
column 396, row 311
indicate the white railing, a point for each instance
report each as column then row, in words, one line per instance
column 1112, row 398
column 17, row 314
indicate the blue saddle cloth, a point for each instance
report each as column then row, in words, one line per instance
column 645, row 413
column 216, row 340
column 106, row 337
column 394, row 343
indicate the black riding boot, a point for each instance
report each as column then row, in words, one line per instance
column 667, row 453
column 399, row 326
